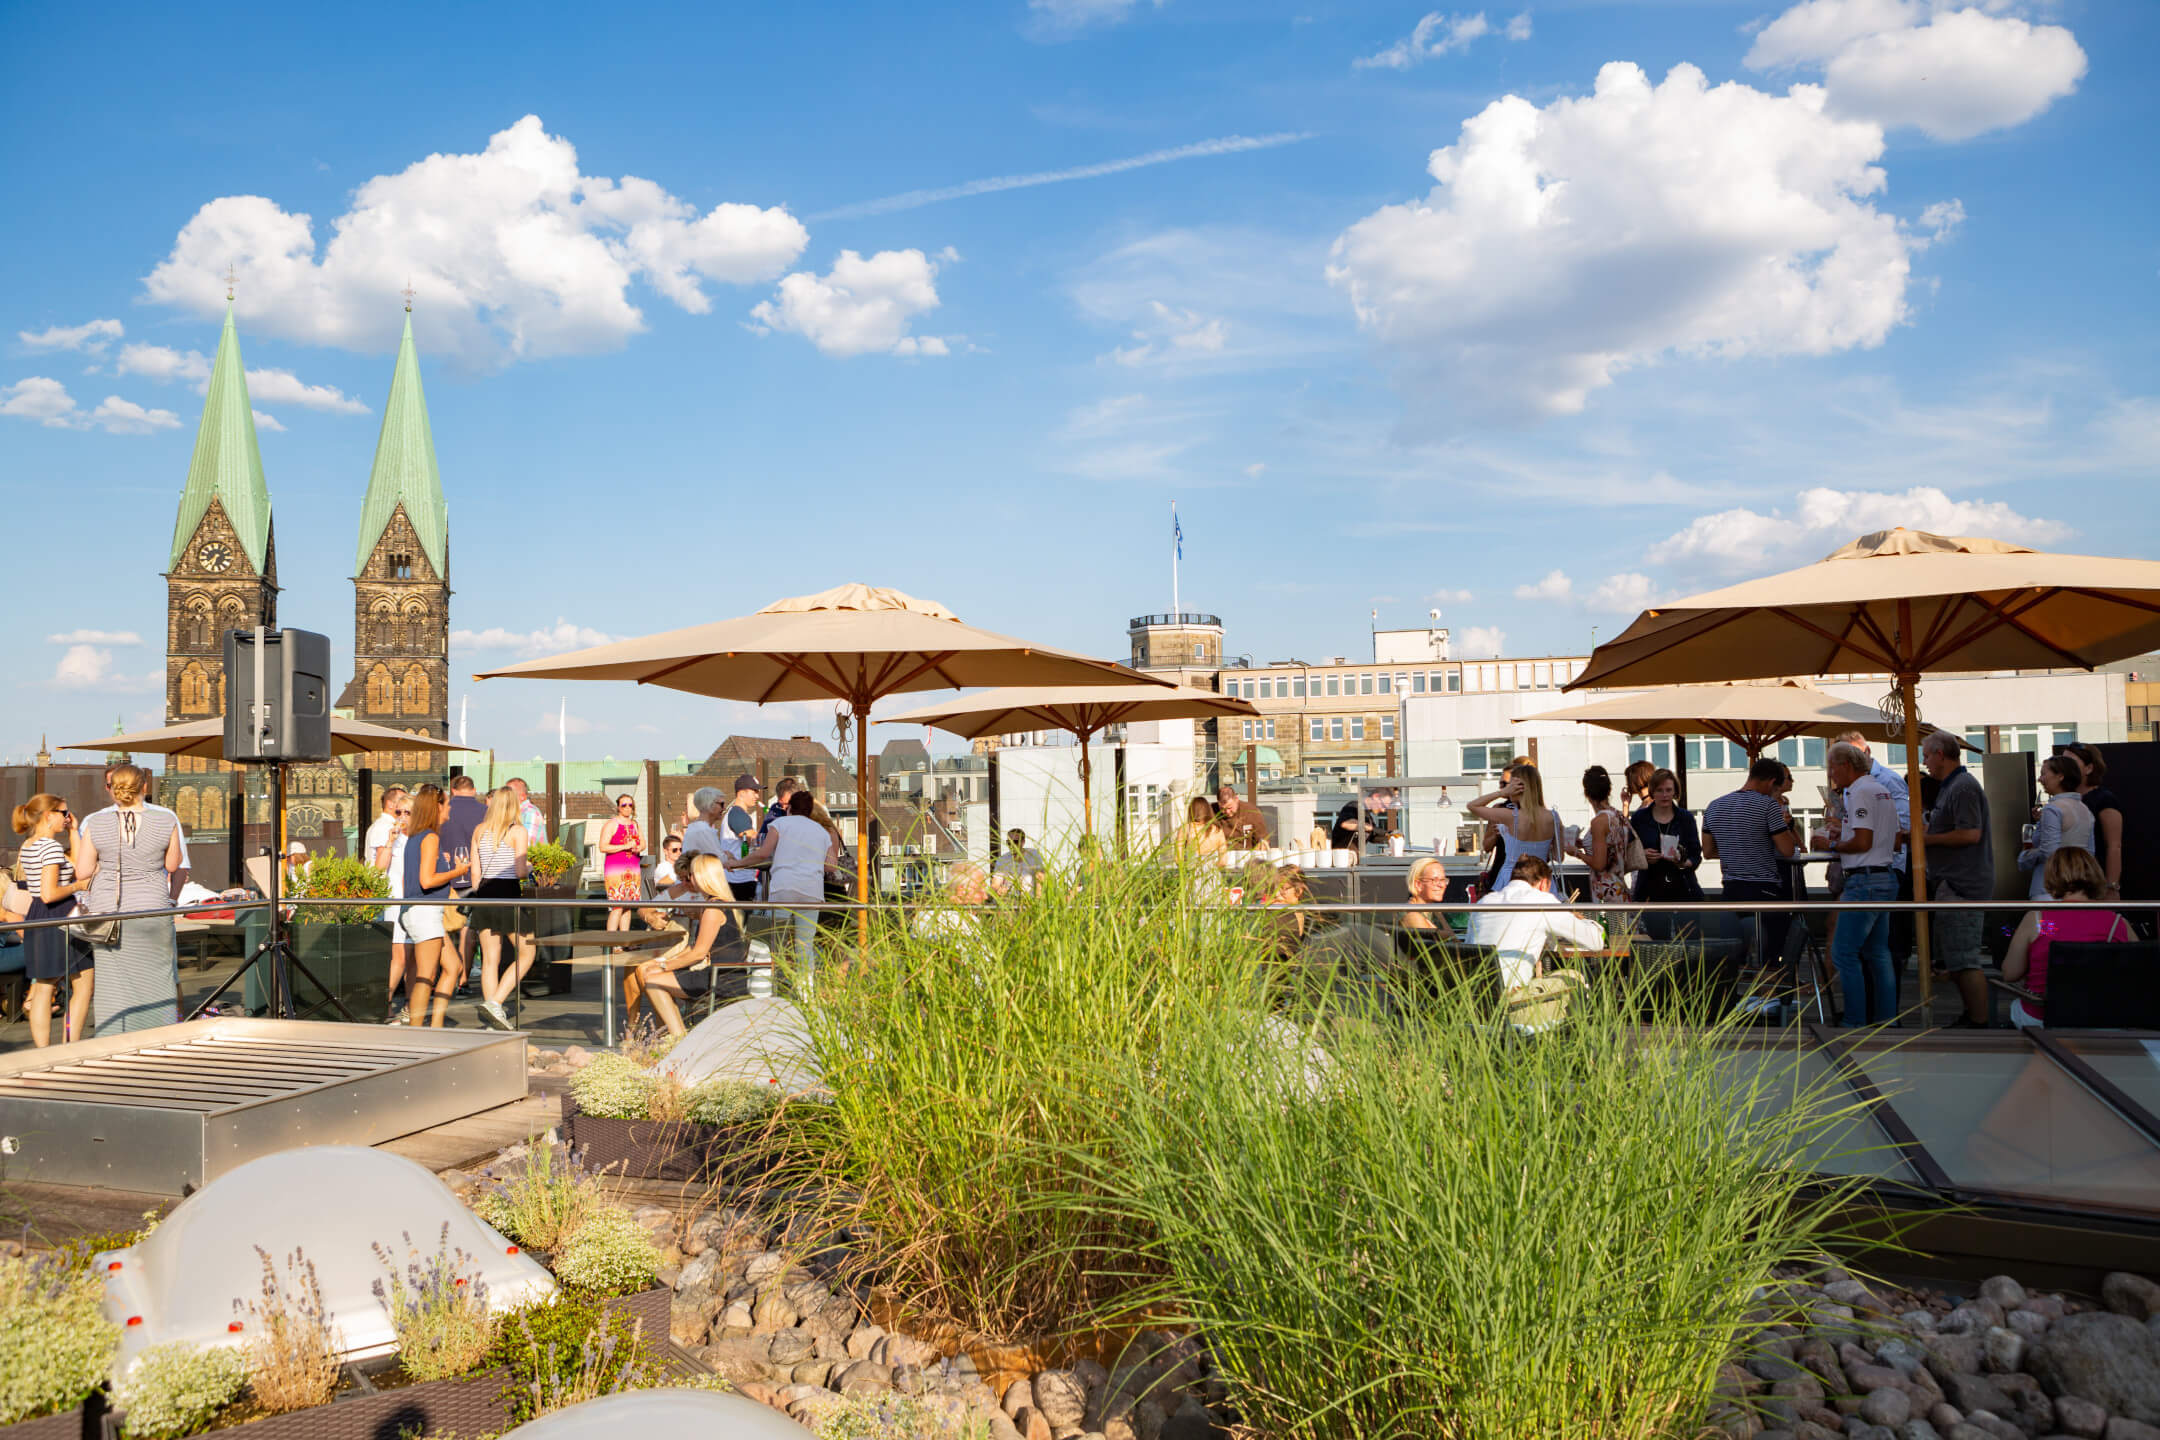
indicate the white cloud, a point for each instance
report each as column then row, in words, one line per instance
column 513, row 252
column 860, row 306
column 1564, row 244
column 1058, row 19
column 1741, row 540
column 1481, row 642
column 1951, row 72
column 532, row 644
column 90, row 338
column 1624, row 594
column 1255, row 470
column 90, row 667
column 1173, row 334
column 125, row 417
column 1555, row 586
column 1449, row 597
column 278, row 387
column 95, row 637
column 162, row 362
column 1936, row 223
column 42, row 399
column 268, row 422
column 47, row 401
column 1435, row 35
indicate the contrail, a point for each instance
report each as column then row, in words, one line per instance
column 912, row 199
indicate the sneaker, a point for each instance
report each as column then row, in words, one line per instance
column 492, row 1012
column 398, row 1016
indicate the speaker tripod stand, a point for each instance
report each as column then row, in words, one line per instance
column 275, row 955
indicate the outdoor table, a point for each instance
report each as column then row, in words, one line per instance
column 617, row 950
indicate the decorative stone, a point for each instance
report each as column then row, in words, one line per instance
column 2080, row 1418
column 2120, row 1427
column 1888, row 1406
column 1954, row 1354
column 1918, row 1430
column 764, row 1267
column 861, row 1339
column 1061, row 1397
column 2029, row 1323
column 1018, row 1396
column 772, row 1312
column 2002, row 1349
column 863, row 1377
column 791, row 1347
column 2131, row 1295
column 2003, row 1290
column 2103, row 1357
column 1031, row 1425
column 812, row 1372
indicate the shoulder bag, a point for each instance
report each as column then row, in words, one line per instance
column 103, row 933
column 1633, row 857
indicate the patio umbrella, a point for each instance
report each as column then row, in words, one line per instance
column 1904, row 603
column 1082, row 709
column 855, row 644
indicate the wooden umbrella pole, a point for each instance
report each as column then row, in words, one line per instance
column 861, row 706
column 1909, row 701
column 1087, row 790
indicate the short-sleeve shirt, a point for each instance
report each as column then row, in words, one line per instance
column 1968, row 870
column 1245, row 830
column 1870, row 806
column 740, row 827
column 2100, row 800
column 1743, row 823
column 36, row 856
column 466, row 814
column 380, row 834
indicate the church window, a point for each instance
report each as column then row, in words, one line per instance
column 195, row 627
column 416, row 631
column 379, row 698
column 415, row 698
column 187, row 805
column 400, row 566
column 380, row 621
column 194, row 691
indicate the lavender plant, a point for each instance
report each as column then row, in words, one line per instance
column 293, row 1362
column 438, row 1305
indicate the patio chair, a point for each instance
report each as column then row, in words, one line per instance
column 2098, row 985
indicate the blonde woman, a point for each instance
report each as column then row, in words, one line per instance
column 127, row 854
column 1428, row 886
column 1200, row 837
column 658, row 981
column 499, row 869
column 1517, row 810
column 51, row 955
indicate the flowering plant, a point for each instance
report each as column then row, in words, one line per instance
column 549, row 862
column 336, row 877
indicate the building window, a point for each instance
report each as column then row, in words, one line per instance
column 1387, row 727
column 400, row 567
column 1417, row 683
column 1807, row 752
column 1657, row 749
column 1364, row 684
column 1297, row 687
column 1270, row 728
column 1544, row 675
column 2031, row 739
column 1319, row 728
column 1334, row 685
column 1267, row 689
column 1335, row 728
column 1454, row 682
column 1250, row 690
column 1484, row 757
column 1385, row 684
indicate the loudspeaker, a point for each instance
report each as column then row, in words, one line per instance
column 285, row 675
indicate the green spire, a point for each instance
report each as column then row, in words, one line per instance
column 405, row 472
column 228, row 465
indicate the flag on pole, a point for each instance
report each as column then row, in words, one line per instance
column 562, row 728
column 463, row 735
column 1177, row 532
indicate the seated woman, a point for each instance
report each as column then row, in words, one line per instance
column 1281, row 886
column 1200, row 840
column 1428, row 886
column 658, row 981
column 2070, row 875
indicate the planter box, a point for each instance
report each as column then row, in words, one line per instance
column 351, row 961
column 648, row 1307
column 85, row 1422
column 470, row 1405
column 664, row 1149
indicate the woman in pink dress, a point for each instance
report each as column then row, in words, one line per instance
column 621, row 843
column 2070, row 875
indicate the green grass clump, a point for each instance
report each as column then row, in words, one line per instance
column 567, row 1350
column 545, row 1202
column 896, row 1417
column 962, row 1056
column 56, row 1341
column 1449, row 1230
column 608, row 1254
column 613, row 1087
column 730, row 1102
column 177, row 1389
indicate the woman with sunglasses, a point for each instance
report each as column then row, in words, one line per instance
column 621, row 843
column 51, row 955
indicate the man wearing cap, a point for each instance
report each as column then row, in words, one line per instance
column 739, row 834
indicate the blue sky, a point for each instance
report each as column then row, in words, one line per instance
column 1404, row 312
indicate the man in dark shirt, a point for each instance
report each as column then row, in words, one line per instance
column 1750, row 835
column 465, row 814
column 1960, row 866
column 1242, row 825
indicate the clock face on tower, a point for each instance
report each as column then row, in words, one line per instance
column 215, row 556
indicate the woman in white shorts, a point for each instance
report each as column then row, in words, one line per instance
column 426, row 878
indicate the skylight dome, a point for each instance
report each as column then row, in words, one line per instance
column 332, row 1204
column 662, row 1415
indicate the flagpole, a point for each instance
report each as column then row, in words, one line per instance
column 1177, row 552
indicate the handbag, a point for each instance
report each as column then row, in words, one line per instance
column 1633, row 858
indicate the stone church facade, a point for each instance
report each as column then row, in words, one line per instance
column 222, row 575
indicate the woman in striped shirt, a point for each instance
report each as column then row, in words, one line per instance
column 51, row 954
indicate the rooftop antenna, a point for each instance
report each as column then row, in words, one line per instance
column 232, row 279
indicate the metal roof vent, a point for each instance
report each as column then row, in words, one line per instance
column 333, row 1204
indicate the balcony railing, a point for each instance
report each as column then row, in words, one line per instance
column 1179, row 617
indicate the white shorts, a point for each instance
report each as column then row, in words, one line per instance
column 416, row 923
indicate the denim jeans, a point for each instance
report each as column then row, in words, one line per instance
column 1861, row 950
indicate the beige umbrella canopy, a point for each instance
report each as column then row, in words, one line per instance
column 206, row 739
column 1753, row 714
column 855, row 644
column 1085, row 710
column 1899, row 602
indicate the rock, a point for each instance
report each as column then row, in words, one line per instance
column 1147, row 1421
column 792, row 1347
column 737, row 1316
column 2002, row 1349
column 1807, row 1388
column 1888, row 1406
column 2029, row 1323
column 2051, row 1306
column 1945, row 1417
column 1920, row 1322
column 863, row 1377
column 812, row 1372
column 1773, row 1368
column 764, row 1267
column 1974, row 1392
column 1001, row 1427
column 772, row 1312
column 1030, row 1423
column 861, row 1339
column 1993, row 1425
column 1849, row 1292
column 1018, row 1396
column 701, row 1272
column 1972, row 1317
column 577, row 1056
column 1809, row 1430
column 2003, row 1290
column 737, row 1361
column 1918, row 1430
column 2107, row 1358
column 2122, row 1428
column 1954, row 1354
column 690, row 1319
column 1870, row 1432
column 2131, row 1295
column 2080, row 1418
column 904, row 1350
column 1061, row 1397
column 1191, row 1421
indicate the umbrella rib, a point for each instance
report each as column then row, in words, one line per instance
column 659, row 675
column 1867, row 621
column 1839, row 642
column 1991, row 619
column 887, row 685
column 1943, row 617
column 2113, row 599
column 2010, row 617
column 794, row 664
column 1715, row 621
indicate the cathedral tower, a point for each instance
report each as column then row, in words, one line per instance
column 223, row 571
column 401, row 580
